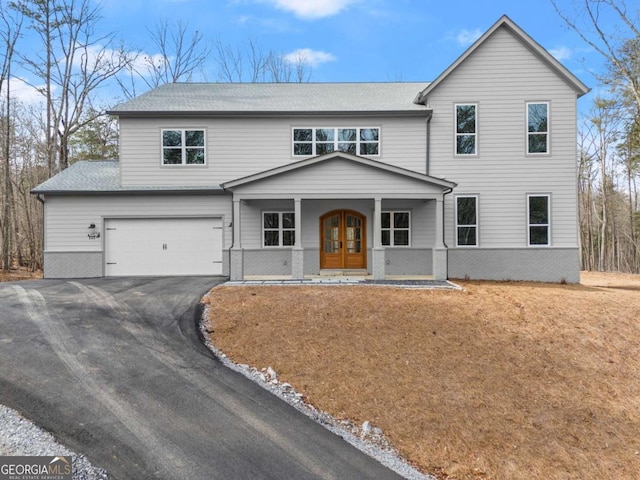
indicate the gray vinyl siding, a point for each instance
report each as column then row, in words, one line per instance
column 237, row 147
column 338, row 179
column 68, row 217
column 501, row 77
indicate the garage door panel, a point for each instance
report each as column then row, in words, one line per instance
column 163, row 246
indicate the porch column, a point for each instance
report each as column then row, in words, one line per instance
column 236, row 261
column 377, row 253
column 439, row 256
column 297, row 253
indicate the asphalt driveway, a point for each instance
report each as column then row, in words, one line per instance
column 114, row 368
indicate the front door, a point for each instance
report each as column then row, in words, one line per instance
column 343, row 240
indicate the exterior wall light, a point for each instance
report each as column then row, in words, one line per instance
column 93, row 233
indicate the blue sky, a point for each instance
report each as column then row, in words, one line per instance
column 356, row 40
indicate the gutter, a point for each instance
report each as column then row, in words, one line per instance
column 197, row 191
column 268, row 114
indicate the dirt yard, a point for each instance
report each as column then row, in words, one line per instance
column 498, row 381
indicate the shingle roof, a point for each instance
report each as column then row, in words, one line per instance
column 102, row 176
column 248, row 98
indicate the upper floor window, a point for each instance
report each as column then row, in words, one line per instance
column 183, row 147
column 467, row 221
column 396, row 229
column 279, row 229
column 466, row 129
column 318, row 141
column 538, row 219
column 538, row 127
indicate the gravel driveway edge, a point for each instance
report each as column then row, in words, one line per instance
column 20, row 437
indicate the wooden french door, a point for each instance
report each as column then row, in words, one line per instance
column 343, row 240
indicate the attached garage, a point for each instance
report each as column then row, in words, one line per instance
column 163, row 246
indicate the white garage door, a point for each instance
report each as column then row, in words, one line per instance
column 163, row 246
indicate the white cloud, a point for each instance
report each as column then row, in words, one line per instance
column 312, row 8
column 308, row 56
column 467, row 37
column 561, row 53
column 145, row 64
column 23, row 92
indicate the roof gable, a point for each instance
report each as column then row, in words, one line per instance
column 354, row 160
column 509, row 25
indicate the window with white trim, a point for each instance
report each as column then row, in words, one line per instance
column 278, row 229
column 467, row 221
column 538, row 127
column 466, row 129
column 354, row 140
column 538, row 220
column 183, row 147
column 396, row 228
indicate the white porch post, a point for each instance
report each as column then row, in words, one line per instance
column 439, row 256
column 297, row 253
column 236, row 261
column 378, row 253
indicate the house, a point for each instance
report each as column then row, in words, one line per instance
column 472, row 175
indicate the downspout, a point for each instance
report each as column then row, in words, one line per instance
column 444, row 235
column 41, row 200
column 428, row 153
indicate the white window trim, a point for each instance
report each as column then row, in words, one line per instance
column 527, row 133
column 280, row 228
column 392, row 228
column 336, row 141
column 183, row 131
column 548, row 225
column 477, row 224
column 456, row 134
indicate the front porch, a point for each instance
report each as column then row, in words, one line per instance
column 423, row 257
column 379, row 220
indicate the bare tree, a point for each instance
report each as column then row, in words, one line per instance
column 609, row 204
column 249, row 62
column 180, row 54
column 74, row 63
column 614, row 45
column 10, row 27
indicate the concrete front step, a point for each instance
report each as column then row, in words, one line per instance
column 356, row 272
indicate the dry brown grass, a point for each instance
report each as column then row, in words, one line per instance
column 499, row 381
column 19, row 273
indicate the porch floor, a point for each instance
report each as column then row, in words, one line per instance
column 338, row 277
column 423, row 281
